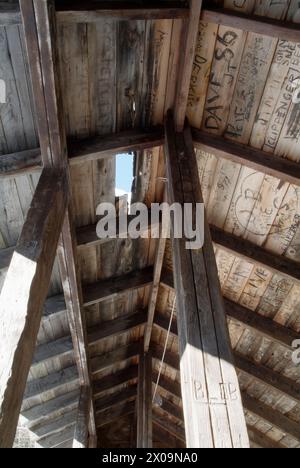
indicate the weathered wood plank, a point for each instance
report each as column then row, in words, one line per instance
column 262, row 439
column 110, row 415
column 108, row 289
column 113, row 328
column 187, row 56
column 30, row 269
column 89, row 12
column 114, row 380
column 249, row 250
column 40, row 28
column 144, row 400
column 253, row 23
column 259, row 160
column 266, row 326
column 116, row 398
column 20, row 163
column 267, row 376
column 273, row 416
column 206, row 360
column 81, row 434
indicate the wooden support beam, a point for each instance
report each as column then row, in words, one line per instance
column 187, row 56
column 258, row 160
column 24, row 293
column 159, row 259
column 165, row 439
column 144, row 401
column 276, row 332
column 23, row 162
column 264, row 325
column 95, row 148
column 129, row 374
column 39, row 23
column 57, row 438
column 167, row 425
column 81, row 434
column 113, row 328
column 108, row 289
column 99, row 363
column 262, row 440
column 54, row 408
column 116, row 398
column 248, row 251
column 112, row 414
column 207, row 366
column 169, row 407
column 168, row 385
column 253, row 23
column 56, row 424
column 50, row 383
column 267, row 376
column 89, row 149
column 92, row 12
column 271, row 415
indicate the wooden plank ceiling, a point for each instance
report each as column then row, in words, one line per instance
column 120, row 75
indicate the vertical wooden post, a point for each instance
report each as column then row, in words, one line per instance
column 144, row 403
column 212, row 402
column 81, row 435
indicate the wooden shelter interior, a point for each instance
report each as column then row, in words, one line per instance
column 233, row 69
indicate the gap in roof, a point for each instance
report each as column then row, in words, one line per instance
column 124, row 176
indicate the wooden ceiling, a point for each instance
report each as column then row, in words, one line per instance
column 118, row 76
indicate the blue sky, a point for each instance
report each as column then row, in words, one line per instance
column 124, row 172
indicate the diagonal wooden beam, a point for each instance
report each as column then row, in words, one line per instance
column 271, row 415
column 129, row 374
column 205, row 352
column 263, row 440
column 39, row 23
column 267, row 376
column 101, row 362
column 108, row 401
column 108, row 289
column 167, row 425
column 113, row 328
column 283, row 384
column 253, row 23
column 109, row 415
column 258, row 160
column 24, row 292
column 264, row 325
column 247, row 250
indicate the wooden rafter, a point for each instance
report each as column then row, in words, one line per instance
column 206, row 361
column 39, row 22
column 260, row 372
column 27, row 281
column 91, row 12
column 258, row 160
column 253, row 23
column 187, row 55
column 89, row 149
